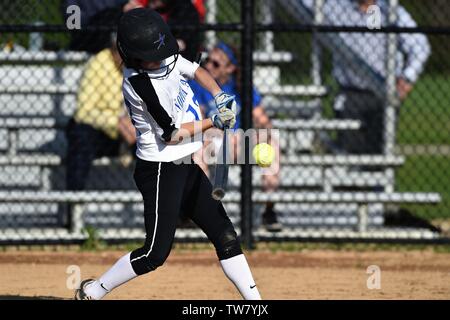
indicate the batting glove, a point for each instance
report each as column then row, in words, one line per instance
column 225, row 101
column 224, row 120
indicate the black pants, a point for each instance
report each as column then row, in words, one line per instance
column 366, row 107
column 85, row 144
column 170, row 190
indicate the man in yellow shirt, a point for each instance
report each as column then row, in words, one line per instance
column 100, row 123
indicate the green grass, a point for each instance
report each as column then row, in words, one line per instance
column 425, row 120
column 426, row 174
column 425, row 115
column 93, row 242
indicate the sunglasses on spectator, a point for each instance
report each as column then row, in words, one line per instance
column 215, row 63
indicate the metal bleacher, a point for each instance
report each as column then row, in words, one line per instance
column 38, row 96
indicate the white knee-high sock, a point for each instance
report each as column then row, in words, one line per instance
column 238, row 271
column 118, row 274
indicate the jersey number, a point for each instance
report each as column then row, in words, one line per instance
column 194, row 112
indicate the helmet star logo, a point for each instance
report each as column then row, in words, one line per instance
column 160, row 41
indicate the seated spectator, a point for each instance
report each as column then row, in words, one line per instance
column 222, row 63
column 100, row 123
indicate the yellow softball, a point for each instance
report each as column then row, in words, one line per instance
column 263, row 154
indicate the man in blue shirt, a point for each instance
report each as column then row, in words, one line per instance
column 222, row 63
column 364, row 99
column 360, row 65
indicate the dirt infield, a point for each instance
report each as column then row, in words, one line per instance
column 318, row 274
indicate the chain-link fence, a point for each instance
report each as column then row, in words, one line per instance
column 359, row 91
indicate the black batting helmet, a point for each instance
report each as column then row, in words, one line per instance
column 143, row 35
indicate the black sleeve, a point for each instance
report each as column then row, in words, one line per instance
column 143, row 86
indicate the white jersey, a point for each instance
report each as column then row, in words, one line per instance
column 158, row 107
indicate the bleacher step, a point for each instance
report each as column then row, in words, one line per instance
column 294, row 90
column 260, row 57
column 309, row 160
column 260, row 197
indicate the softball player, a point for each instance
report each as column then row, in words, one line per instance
column 161, row 105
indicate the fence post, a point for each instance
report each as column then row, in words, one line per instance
column 211, row 18
column 391, row 88
column 247, row 35
column 392, row 102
